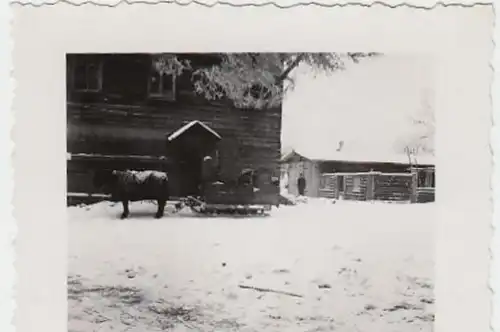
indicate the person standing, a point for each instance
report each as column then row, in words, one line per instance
column 301, row 184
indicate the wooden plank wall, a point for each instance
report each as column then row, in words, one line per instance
column 328, row 186
column 356, row 193
column 426, row 195
column 251, row 139
column 393, row 187
column 122, row 119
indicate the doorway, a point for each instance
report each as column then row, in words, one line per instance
column 188, row 146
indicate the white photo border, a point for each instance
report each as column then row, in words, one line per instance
column 460, row 39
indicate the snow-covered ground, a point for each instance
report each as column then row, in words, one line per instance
column 348, row 267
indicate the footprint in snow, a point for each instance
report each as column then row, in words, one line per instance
column 370, row 307
column 279, row 271
column 324, row 286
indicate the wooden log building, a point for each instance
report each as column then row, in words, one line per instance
column 384, row 180
column 121, row 112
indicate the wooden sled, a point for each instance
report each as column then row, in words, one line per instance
column 220, row 198
column 196, row 204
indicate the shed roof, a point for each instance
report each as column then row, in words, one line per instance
column 189, row 126
column 359, row 155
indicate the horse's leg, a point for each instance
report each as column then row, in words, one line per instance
column 161, row 208
column 126, row 212
column 162, row 198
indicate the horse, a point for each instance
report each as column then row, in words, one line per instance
column 130, row 186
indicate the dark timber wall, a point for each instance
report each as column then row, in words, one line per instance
column 122, row 119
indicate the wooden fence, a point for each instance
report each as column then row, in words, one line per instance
column 369, row 186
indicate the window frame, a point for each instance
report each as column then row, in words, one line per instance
column 172, row 95
column 87, row 61
column 356, row 184
column 341, row 188
column 429, row 179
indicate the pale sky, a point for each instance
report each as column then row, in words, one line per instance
column 371, row 102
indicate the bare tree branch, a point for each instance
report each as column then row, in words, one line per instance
column 291, row 67
column 269, row 290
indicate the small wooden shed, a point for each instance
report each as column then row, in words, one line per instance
column 187, row 147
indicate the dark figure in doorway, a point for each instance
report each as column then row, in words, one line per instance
column 301, row 184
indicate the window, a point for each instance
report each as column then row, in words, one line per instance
column 87, row 74
column 429, row 179
column 340, row 183
column 426, row 178
column 421, row 178
column 322, row 182
column 161, row 85
column 356, row 184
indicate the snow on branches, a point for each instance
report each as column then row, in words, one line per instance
column 252, row 80
column 421, row 139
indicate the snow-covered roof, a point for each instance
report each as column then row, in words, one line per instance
column 189, row 125
column 363, row 156
column 370, row 107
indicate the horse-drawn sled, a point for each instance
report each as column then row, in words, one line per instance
column 191, row 175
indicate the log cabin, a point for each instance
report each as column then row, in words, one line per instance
column 360, row 120
column 123, row 114
column 386, row 177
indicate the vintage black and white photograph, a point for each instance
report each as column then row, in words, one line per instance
column 251, row 192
